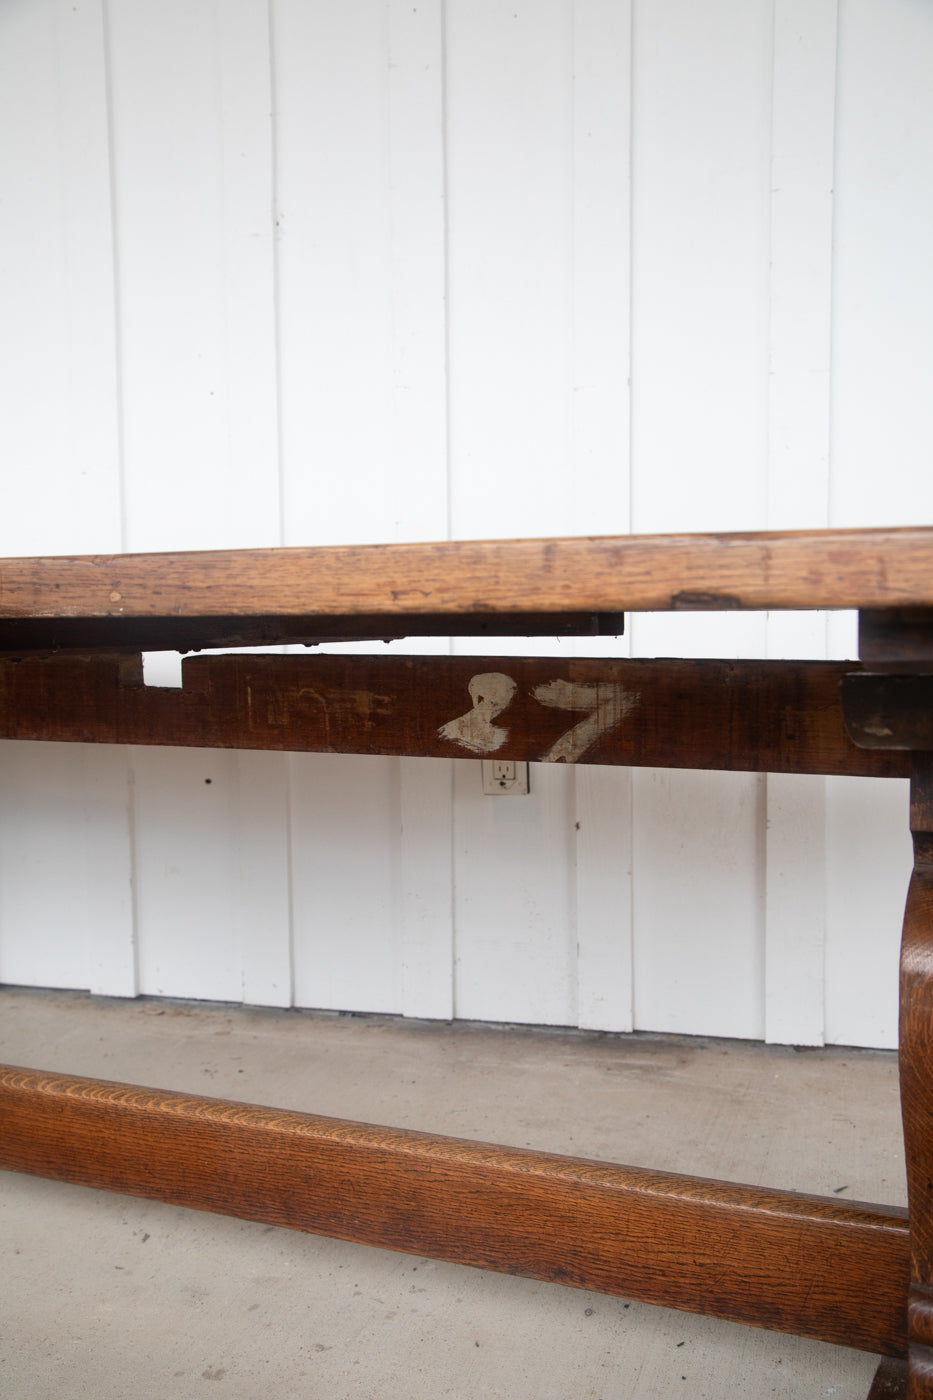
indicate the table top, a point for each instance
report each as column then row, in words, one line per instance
column 537, row 586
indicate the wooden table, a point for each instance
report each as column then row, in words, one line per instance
column 71, row 633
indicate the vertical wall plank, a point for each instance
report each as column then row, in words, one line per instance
column 212, row 876
column 33, row 329
column 795, row 909
column 869, row 860
column 514, row 916
column 417, row 216
column 426, row 876
column 66, row 899
column 89, row 403
column 699, row 289
column 701, row 148
column 59, row 421
column 510, row 202
column 700, row 260
column 417, row 273
column 598, row 467
column 509, row 181
column 598, row 473
column 882, row 424
column 697, row 903
column 801, row 288
column 359, row 95
column 66, row 910
column 262, row 913
column 110, row 875
column 603, row 892
column 360, row 191
column 187, row 872
column 247, row 302
column 331, row 74
column 45, row 909
column 883, row 304
column 345, row 882
column 193, row 196
column 191, row 140
column 802, row 154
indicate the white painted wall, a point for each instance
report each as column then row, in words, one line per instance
column 288, row 271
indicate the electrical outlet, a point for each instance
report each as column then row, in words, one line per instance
column 504, row 777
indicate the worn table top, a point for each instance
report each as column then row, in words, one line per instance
column 242, row 597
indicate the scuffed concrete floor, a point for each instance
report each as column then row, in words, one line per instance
column 124, row 1299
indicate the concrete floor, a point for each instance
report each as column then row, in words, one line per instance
column 124, row 1299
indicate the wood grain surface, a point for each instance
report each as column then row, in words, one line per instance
column 806, row 569
column 825, row 1268
column 916, row 1074
column 896, row 638
column 889, row 711
column 890, row 1382
column 777, row 717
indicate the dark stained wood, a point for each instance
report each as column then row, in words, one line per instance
column 889, row 711
column 920, row 1341
column 890, row 1381
column 804, row 1264
column 23, row 636
column 890, row 706
column 807, row 569
column 777, row 717
column 897, row 638
column 916, row 1073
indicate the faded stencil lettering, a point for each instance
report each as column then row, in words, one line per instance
column 490, row 692
column 607, row 703
column 340, row 707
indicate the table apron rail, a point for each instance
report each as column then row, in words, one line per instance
column 758, row 716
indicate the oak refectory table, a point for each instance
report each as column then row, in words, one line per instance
column 71, row 633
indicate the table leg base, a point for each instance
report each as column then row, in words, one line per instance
column 890, row 1381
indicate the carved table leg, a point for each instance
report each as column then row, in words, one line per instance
column 890, row 1381
column 916, row 1070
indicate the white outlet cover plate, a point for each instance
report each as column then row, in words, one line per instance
column 504, row 778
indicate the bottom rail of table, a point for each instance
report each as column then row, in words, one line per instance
column 816, row 1267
